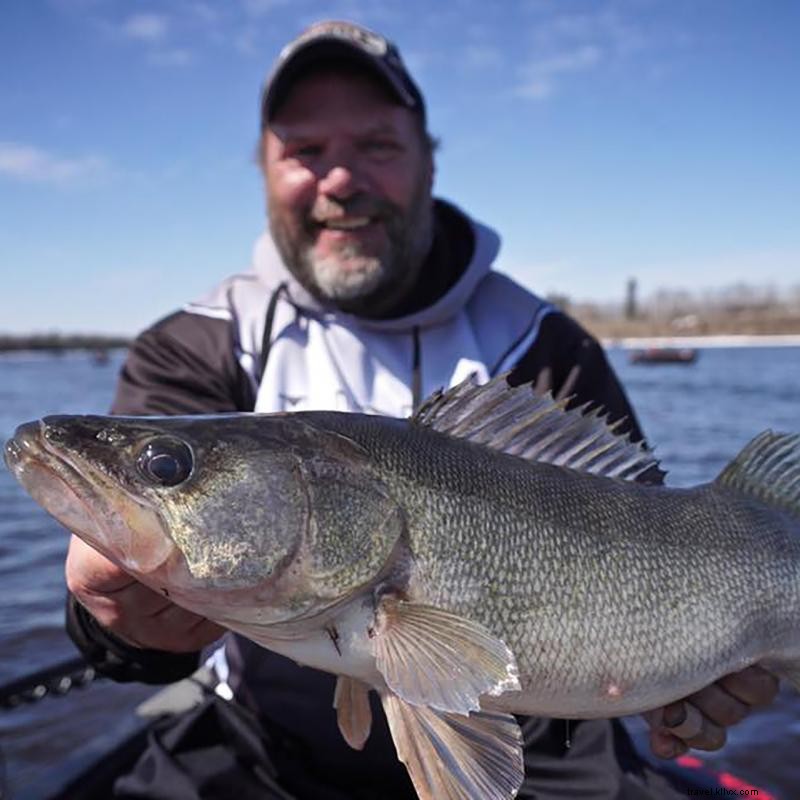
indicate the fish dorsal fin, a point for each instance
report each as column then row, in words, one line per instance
column 514, row 420
column 768, row 469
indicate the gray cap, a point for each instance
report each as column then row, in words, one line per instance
column 331, row 40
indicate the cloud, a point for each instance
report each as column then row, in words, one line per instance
column 34, row 165
column 571, row 43
column 539, row 77
column 146, row 27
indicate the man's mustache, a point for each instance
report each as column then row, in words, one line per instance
column 326, row 210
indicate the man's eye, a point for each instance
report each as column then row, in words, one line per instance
column 307, row 151
column 380, row 146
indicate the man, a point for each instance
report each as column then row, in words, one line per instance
column 366, row 295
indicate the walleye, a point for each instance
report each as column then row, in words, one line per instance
column 492, row 555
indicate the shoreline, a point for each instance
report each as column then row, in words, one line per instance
column 699, row 342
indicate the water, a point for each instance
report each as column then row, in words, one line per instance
column 698, row 417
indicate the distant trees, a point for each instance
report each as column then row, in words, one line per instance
column 59, row 342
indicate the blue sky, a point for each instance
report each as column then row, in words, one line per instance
column 650, row 138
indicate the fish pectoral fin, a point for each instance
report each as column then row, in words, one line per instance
column 455, row 756
column 351, row 701
column 430, row 657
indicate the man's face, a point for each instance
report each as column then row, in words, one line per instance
column 349, row 190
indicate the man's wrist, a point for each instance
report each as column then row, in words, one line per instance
column 119, row 660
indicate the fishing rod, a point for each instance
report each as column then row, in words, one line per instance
column 55, row 680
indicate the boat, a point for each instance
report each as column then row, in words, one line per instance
column 100, row 357
column 664, row 355
column 90, row 774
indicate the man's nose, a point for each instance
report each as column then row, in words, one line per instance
column 341, row 181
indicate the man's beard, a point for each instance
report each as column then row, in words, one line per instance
column 351, row 279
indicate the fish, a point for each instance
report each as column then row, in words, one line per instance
column 497, row 553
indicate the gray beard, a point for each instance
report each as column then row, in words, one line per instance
column 376, row 284
column 338, row 285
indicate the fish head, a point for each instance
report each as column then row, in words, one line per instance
column 241, row 517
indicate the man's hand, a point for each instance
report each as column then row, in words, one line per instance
column 700, row 720
column 130, row 610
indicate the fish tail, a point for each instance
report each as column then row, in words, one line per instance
column 768, row 469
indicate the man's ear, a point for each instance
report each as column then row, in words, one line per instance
column 431, row 171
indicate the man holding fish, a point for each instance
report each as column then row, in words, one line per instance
column 366, row 295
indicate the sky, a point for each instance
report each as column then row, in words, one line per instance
column 603, row 139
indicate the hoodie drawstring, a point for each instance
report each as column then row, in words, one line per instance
column 416, row 371
column 269, row 321
column 266, row 346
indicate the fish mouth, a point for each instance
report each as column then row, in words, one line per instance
column 85, row 501
column 53, row 482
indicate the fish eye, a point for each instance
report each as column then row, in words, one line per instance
column 166, row 462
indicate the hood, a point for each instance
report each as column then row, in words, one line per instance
column 272, row 272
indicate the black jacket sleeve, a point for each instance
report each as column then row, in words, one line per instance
column 568, row 362
column 184, row 364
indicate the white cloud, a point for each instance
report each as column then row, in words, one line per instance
column 568, row 43
column 146, row 27
column 32, row 164
column 539, row 77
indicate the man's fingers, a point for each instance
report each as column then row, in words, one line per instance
column 701, row 720
column 132, row 611
column 664, row 745
column 144, row 618
column 119, row 608
column 175, row 630
column 685, row 722
column 87, row 571
column 719, row 706
column 753, row 686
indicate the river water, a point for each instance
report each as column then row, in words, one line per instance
column 697, row 417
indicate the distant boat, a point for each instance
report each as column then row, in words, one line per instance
column 100, row 357
column 664, row 355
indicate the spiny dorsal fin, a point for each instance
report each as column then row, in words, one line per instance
column 516, row 421
column 768, row 469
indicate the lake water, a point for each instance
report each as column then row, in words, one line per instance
column 697, row 417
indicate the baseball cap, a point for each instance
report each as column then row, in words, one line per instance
column 331, row 40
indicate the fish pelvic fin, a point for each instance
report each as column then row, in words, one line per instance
column 430, row 657
column 456, row 757
column 351, row 701
column 514, row 420
column 768, row 469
